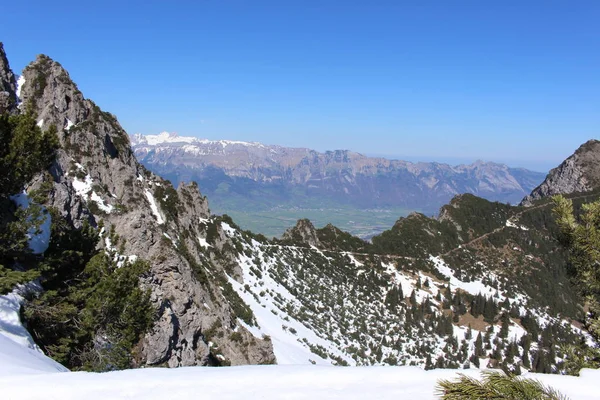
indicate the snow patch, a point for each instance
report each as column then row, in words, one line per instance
column 166, row 137
column 20, row 83
column 203, row 242
column 18, row 352
column 511, row 224
column 191, row 142
column 82, row 188
column 107, row 208
column 150, row 197
column 228, row 229
column 475, row 287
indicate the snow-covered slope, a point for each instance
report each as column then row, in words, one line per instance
column 259, row 382
column 320, row 306
column 18, row 361
column 18, row 353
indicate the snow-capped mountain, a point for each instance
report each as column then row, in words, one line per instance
column 293, row 175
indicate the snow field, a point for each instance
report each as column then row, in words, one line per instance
column 259, row 382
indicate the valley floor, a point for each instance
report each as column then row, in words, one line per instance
column 358, row 222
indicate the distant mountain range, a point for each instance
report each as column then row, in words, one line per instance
column 253, row 176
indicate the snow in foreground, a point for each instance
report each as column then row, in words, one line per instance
column 257, row 382
column 26, row 373
column 18, row 363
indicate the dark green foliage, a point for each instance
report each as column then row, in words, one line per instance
column 582, row 239
column 579, row 229
column 417, row 236
column 240, row 309
column 24, row 151
column 168, row 200
column 10, row 278
column 504, row 327
column 479, row 346
column 198, row 269
column 333, row 238
column 115, row 305
column 496, row 385
column 476, row 216
column 394, row 297
column 92, row 313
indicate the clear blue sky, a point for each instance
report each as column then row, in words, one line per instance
column 510, row 81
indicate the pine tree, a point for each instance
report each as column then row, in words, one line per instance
column 504, row 327
column 582, row 239
column 428, row 363
column 440, row 362
column 24, row 151
column 479, row 346
column 469, row 333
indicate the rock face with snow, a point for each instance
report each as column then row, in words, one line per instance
column 97, row 178
column 578, row 173
column 293, row 175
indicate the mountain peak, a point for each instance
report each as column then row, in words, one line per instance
column 171, row 138
column 303, row 232
column 55, row 97
column 578, row 173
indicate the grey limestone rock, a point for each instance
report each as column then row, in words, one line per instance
column 578, row 173
column 8, row 84
column 303, row 232
column 96, row 178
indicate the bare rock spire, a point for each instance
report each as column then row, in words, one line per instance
column 8, row 84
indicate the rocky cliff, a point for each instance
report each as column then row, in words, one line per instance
column 578, row 173
column 8, row 84
column 96, row 178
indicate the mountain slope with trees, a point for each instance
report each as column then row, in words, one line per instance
column 139, row 273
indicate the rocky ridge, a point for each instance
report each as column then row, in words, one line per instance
column 8, row 84
column 578, row 173
column 96, row 178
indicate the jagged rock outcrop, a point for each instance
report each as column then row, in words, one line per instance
column 8, row 84
column 578, row 173
column 303, row 232
column 96, row 178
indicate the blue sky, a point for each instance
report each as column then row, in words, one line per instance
column 510, row 81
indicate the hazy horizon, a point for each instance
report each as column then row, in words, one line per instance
column 542, row 166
